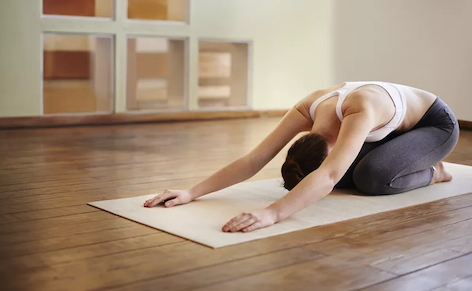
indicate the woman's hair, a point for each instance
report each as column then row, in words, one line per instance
column 303, row 157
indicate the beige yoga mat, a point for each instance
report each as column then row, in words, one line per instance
column 201, row 221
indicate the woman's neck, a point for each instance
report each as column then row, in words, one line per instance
column 329, row 129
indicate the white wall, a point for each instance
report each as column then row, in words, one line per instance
column 291, row 47
column 19, row 58
column 422, row 43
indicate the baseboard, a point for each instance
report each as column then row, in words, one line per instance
column 127, row 118
column 463, row 124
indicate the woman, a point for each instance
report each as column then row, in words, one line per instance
column 382, row 138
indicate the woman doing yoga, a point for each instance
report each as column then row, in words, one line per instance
column 381, row 138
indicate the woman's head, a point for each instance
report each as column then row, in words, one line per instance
column 303, row 157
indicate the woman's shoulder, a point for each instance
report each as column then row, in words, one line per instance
column 304, row 105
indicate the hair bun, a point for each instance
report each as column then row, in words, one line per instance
column 292, row 174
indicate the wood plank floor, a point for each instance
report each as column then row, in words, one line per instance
column 51, row 240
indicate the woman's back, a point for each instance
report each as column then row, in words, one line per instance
column 417, row 102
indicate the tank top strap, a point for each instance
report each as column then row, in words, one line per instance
column 343, row 92
column 319, row 100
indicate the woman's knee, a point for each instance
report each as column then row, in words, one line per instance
column 372, row 179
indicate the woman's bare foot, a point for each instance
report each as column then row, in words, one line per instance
column 440, row 175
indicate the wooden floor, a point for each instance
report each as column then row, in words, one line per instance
column 51, row 240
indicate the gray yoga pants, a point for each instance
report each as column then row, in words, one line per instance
column 403, row 161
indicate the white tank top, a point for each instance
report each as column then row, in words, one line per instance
column 395, row 91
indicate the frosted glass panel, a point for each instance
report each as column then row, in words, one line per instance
column 89, row 8
column 77, row 73
column 223, row 74
column 156, row 74
column 164, row 10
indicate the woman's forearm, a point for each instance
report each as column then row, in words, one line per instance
column 311, row 189
column 238, row 171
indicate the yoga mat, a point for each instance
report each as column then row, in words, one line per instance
column 201, row 220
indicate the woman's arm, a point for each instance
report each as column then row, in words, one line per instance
column 358, row 122
column 244, row 168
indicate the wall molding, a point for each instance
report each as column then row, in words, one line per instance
column 129, row 118
column 464, row 124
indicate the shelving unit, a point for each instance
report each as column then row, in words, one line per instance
column 139, row 69
column 155, row 73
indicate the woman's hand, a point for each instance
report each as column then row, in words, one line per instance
column 249, row 221
column 175, row 197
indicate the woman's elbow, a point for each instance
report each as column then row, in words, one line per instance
column 250, row 165
column 330, row 178
column 333, row 177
